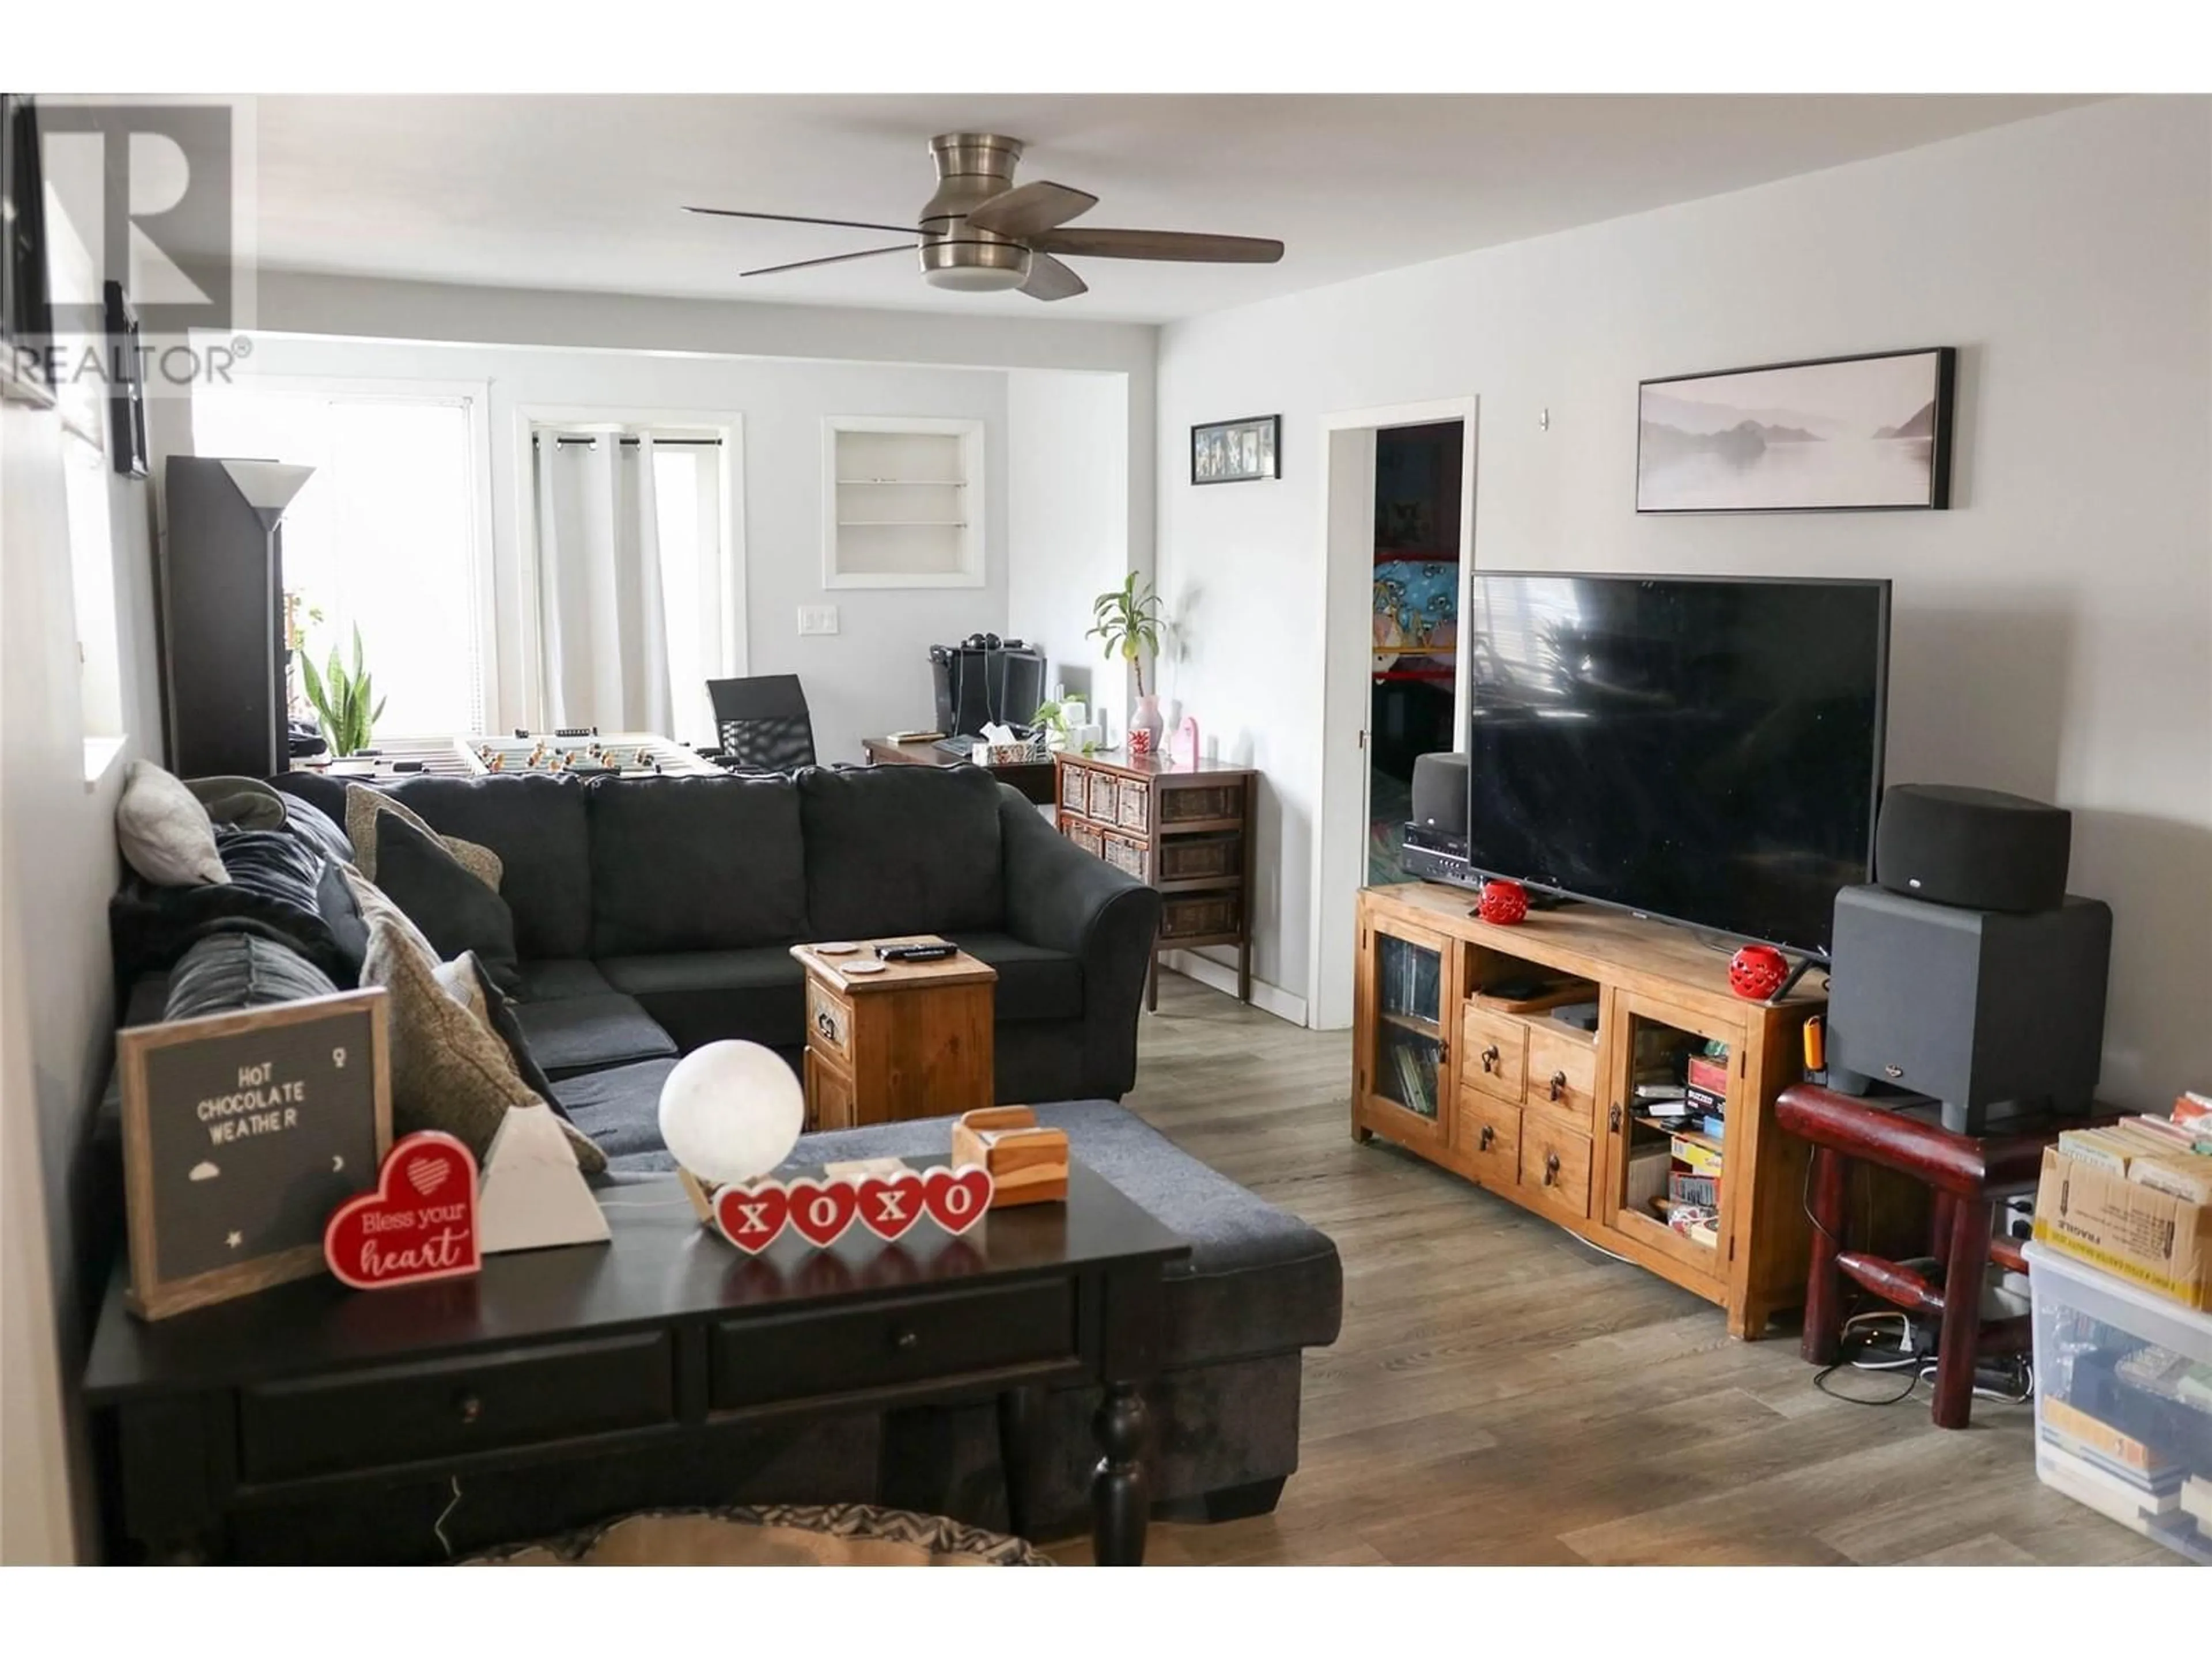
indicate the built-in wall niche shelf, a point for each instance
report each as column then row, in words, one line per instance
column 903, row 503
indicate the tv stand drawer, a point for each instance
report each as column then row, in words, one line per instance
column 1493, row 1053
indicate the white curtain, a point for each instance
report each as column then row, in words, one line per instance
column 602, row 622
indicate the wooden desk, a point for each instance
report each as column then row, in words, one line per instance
column 913, row 1041
column 665, row 1337
column 1032, row 778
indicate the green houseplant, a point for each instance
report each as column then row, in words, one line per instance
column 341, row 700
column 1127, row 621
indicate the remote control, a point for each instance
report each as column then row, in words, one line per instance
column 916, row 952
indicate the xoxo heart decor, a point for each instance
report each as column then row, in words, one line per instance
column 889, row 1207
column 821, row 1209
column 419, row 1223
column 956, row 1199
column 751, row 1217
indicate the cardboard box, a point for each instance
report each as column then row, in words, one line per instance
column 2149, row 1239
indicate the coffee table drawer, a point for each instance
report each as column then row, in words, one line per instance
column 445, row 1408
column 882, row 1344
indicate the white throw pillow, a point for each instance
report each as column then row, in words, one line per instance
column 167, row 835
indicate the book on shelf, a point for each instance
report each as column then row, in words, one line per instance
column 1707, row 1075
column 1413, row 1083
column 1696, row 1189
column 1701, row 1158
column 1705, row 1100
column 1715, row 1127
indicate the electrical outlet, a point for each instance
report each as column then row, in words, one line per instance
column 818, row 618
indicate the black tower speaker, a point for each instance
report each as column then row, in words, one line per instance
column 1987, row 1012
column 1974, row 848
column 1440, row 795
column 223, row 592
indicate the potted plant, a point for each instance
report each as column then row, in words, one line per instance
column 1129, row 624
column 341, row 701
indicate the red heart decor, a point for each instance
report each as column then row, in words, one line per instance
column 405, row 1232
column 821, row 1209
column 889, row 1207
column 956, row 1199
column 1756, row 972
column 1504, row 904
column 751, row 1217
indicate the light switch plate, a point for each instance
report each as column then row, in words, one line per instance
column 818, row 618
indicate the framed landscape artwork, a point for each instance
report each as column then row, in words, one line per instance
column 1839, row 434
column 1233, row 452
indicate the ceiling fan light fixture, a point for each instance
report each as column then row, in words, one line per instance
column 975, row 279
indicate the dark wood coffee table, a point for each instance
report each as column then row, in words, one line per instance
column 666, row 1336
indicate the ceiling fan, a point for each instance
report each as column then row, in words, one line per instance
column 982, row 232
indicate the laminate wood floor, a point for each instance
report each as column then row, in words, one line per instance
column 1501, row 1392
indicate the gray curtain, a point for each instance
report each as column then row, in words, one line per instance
column 603, row 638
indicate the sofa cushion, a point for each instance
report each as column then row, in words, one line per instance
column 226, row 972
column 537, row 826
column 589, row 1034
column 757, row 995
column 620, row 1110
column 901, row 849
column 695, row 864
column 1035, row 981
column 456, row 911
column 549, row 979
column 274, row 889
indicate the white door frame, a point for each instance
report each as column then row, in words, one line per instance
column 726, row 424
column 1347, row 558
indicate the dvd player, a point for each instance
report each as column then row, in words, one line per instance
column 1433, row 855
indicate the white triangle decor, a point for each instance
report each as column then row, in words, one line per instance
column 533, row 1195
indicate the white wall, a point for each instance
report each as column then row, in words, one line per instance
column 873, row 675
column 57, row 865
column 1068, row 510
column 2053, row 631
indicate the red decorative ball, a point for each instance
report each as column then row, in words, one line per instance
column 1504, row 902
column 1756, row 971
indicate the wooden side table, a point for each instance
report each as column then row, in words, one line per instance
column 1968, row 1174
column 1187, row 831
column 913, row 1041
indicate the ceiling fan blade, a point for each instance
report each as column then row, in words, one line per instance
column 834, row 260
column 1049, row 279
column 1159, row 245
column 1026, row 209
column 801, row 219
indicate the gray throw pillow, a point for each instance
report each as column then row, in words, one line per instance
column 226, row 972
column 240, row 803
column 166, row 833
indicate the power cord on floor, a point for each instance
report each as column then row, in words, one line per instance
column 1863, row 1353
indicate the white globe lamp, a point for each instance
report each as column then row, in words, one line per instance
column 731, row 1112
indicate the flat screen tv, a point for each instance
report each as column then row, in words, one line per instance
column 1705, row 750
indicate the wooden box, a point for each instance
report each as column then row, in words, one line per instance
column 1028, row 1163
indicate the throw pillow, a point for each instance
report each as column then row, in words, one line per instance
column 310, row 824
column 365, row 805
column 455, row 909
column 449, row 1070
column 166, row 833
column 225, row 972
column 490, row 1003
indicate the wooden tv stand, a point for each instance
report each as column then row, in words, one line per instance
column 1546, row 1115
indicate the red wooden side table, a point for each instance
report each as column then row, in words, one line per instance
column 1969, row 1175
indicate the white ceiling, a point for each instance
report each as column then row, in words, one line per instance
column 588, row 192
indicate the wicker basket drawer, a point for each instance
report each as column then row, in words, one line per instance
column 1201, row 915
column 1133, row 806
column 1073, row 783
column 1124, row 854
column 1085, row 836
column 1101, row 804
column 1197, row 858
column 1202, row 802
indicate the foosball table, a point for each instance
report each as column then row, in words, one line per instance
column 584, row 753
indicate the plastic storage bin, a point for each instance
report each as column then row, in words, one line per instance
column 2124, row 1401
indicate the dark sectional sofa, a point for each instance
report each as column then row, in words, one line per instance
column 654, row 916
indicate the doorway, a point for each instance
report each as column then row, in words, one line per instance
column 1360, row 787
column 1412, row 701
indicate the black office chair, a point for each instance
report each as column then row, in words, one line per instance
column 762, row 722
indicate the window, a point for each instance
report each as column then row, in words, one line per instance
column 91, row 570
column 388, row 537
column 687, row 502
